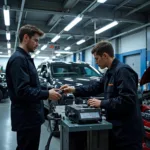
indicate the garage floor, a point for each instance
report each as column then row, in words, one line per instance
column 8, row 138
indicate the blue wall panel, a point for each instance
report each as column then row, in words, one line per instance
column 83, row 55
column 74, row 57
column 142, row 53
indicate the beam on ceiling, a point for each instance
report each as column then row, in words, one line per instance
column 19, row 22
column 94, row 7
column 88, row 22
column 49, row 35
column 121, row 4
column 17, row 17
column 53, row 20
column 56, row 23
column 138, row 8
column 68, row 4
column 89, row 16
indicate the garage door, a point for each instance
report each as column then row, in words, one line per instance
column 134, row 62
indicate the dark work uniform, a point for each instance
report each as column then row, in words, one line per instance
column 26, row 98
column 122, row 107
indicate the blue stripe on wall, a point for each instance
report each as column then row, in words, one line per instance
column 83, row 56
column 74, row 57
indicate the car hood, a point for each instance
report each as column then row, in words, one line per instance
column 146, row 77
column 76, row 81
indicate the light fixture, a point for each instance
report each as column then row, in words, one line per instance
column 33, row 56
column 55, row 38
column 43, row 47
column 53, row 57
column 37, row 52
column 6, row 15
column 8, row 35
column 67, row 48
column 41, row 57
column 5, row 56
column 73, row 23
column 1, row 52
column 114, row 23
column 63, row 52
column 8, row 45
column 80, row 42
column 58, row 54
column 101, row 1
column 9, row 51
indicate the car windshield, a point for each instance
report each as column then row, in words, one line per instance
column 71, row 70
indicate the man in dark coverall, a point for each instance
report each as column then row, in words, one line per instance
column 119, row 86
column 25, row 92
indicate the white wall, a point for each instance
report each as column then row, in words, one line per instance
column 37, row 62
column 113, row 42
column 69, row 58
column 133, row 42
column 88, row 56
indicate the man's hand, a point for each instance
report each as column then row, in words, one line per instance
column 53, row 95
column 67, row 89
column 94, row 102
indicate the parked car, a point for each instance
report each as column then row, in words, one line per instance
column 73, row 74
column 3, row 86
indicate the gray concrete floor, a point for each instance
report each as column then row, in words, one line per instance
column 8, row 138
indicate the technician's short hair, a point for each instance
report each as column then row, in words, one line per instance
column 103, row 47
column 30, row 30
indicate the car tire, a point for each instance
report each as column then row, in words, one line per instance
column 52, row 123
column 1, row 95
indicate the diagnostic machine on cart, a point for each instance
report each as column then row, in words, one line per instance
column 81, row 128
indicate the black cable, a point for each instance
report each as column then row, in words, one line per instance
column 53, row 132
column 49, row 141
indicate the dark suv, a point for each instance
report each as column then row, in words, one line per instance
column 74, row 74
column 60, row 73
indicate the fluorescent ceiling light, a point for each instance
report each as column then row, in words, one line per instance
column 80, row 42
column 55, row 38
column 37, row 52
column 67, row 48
column 41, row 57
column 73, row 23
column 63, row 52
column 6, row 15
column 8, row 35
column 53, row 57
column 9, row 51
column 114, row 23
column 101, row 1
column 4, row 56
column 8, row 45
column 1, row 52
column 58, row 54
column 33, row 56
column 43, row 47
